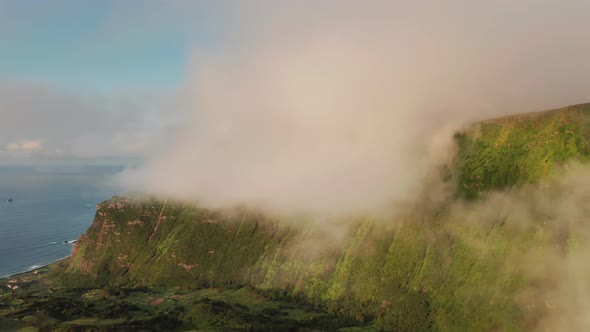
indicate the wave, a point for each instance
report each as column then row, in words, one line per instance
column 28, row 246
column 33, row 267
column 64, row 242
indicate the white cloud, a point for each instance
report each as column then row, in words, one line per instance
column 342, row 106
column 26, row 146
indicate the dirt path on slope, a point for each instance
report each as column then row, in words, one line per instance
column 158, row 221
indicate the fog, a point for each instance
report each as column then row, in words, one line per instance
column 546, row 227
column 349, row 108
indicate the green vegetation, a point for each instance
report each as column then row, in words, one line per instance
column 42, row 303
column 521, row 149
column 153, row 264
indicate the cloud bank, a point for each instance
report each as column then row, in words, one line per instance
column 343, row 107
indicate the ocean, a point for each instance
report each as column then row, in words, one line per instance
column 51, row 206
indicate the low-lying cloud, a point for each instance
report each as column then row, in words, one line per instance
column 547, row 231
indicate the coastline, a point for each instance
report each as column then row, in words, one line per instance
column 35, row 267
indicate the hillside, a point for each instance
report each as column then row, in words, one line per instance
column 492, row 258
column 507, row 151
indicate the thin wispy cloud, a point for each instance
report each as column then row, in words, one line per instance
column 25, row 146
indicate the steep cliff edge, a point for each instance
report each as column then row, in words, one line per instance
column 490, row 259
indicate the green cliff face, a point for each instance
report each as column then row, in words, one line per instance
column 455, row 270
column 518, row 149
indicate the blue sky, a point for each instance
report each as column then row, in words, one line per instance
column 99, row 45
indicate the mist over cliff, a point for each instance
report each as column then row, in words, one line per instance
column 497, row 241
column 368, row 111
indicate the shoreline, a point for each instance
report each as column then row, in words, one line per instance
column 37, row 267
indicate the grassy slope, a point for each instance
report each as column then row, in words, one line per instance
column 43, row 303
column 434, row 274
column 514, row 150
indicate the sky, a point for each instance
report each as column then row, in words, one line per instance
column 98, row 45
column 149, row 82
column 81, row 81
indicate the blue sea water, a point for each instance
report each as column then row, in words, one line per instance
column 50, row 205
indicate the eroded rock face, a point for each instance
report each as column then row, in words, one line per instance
column 378, row 271
column 158, row 243
column 135, row 223
column 187, row 267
